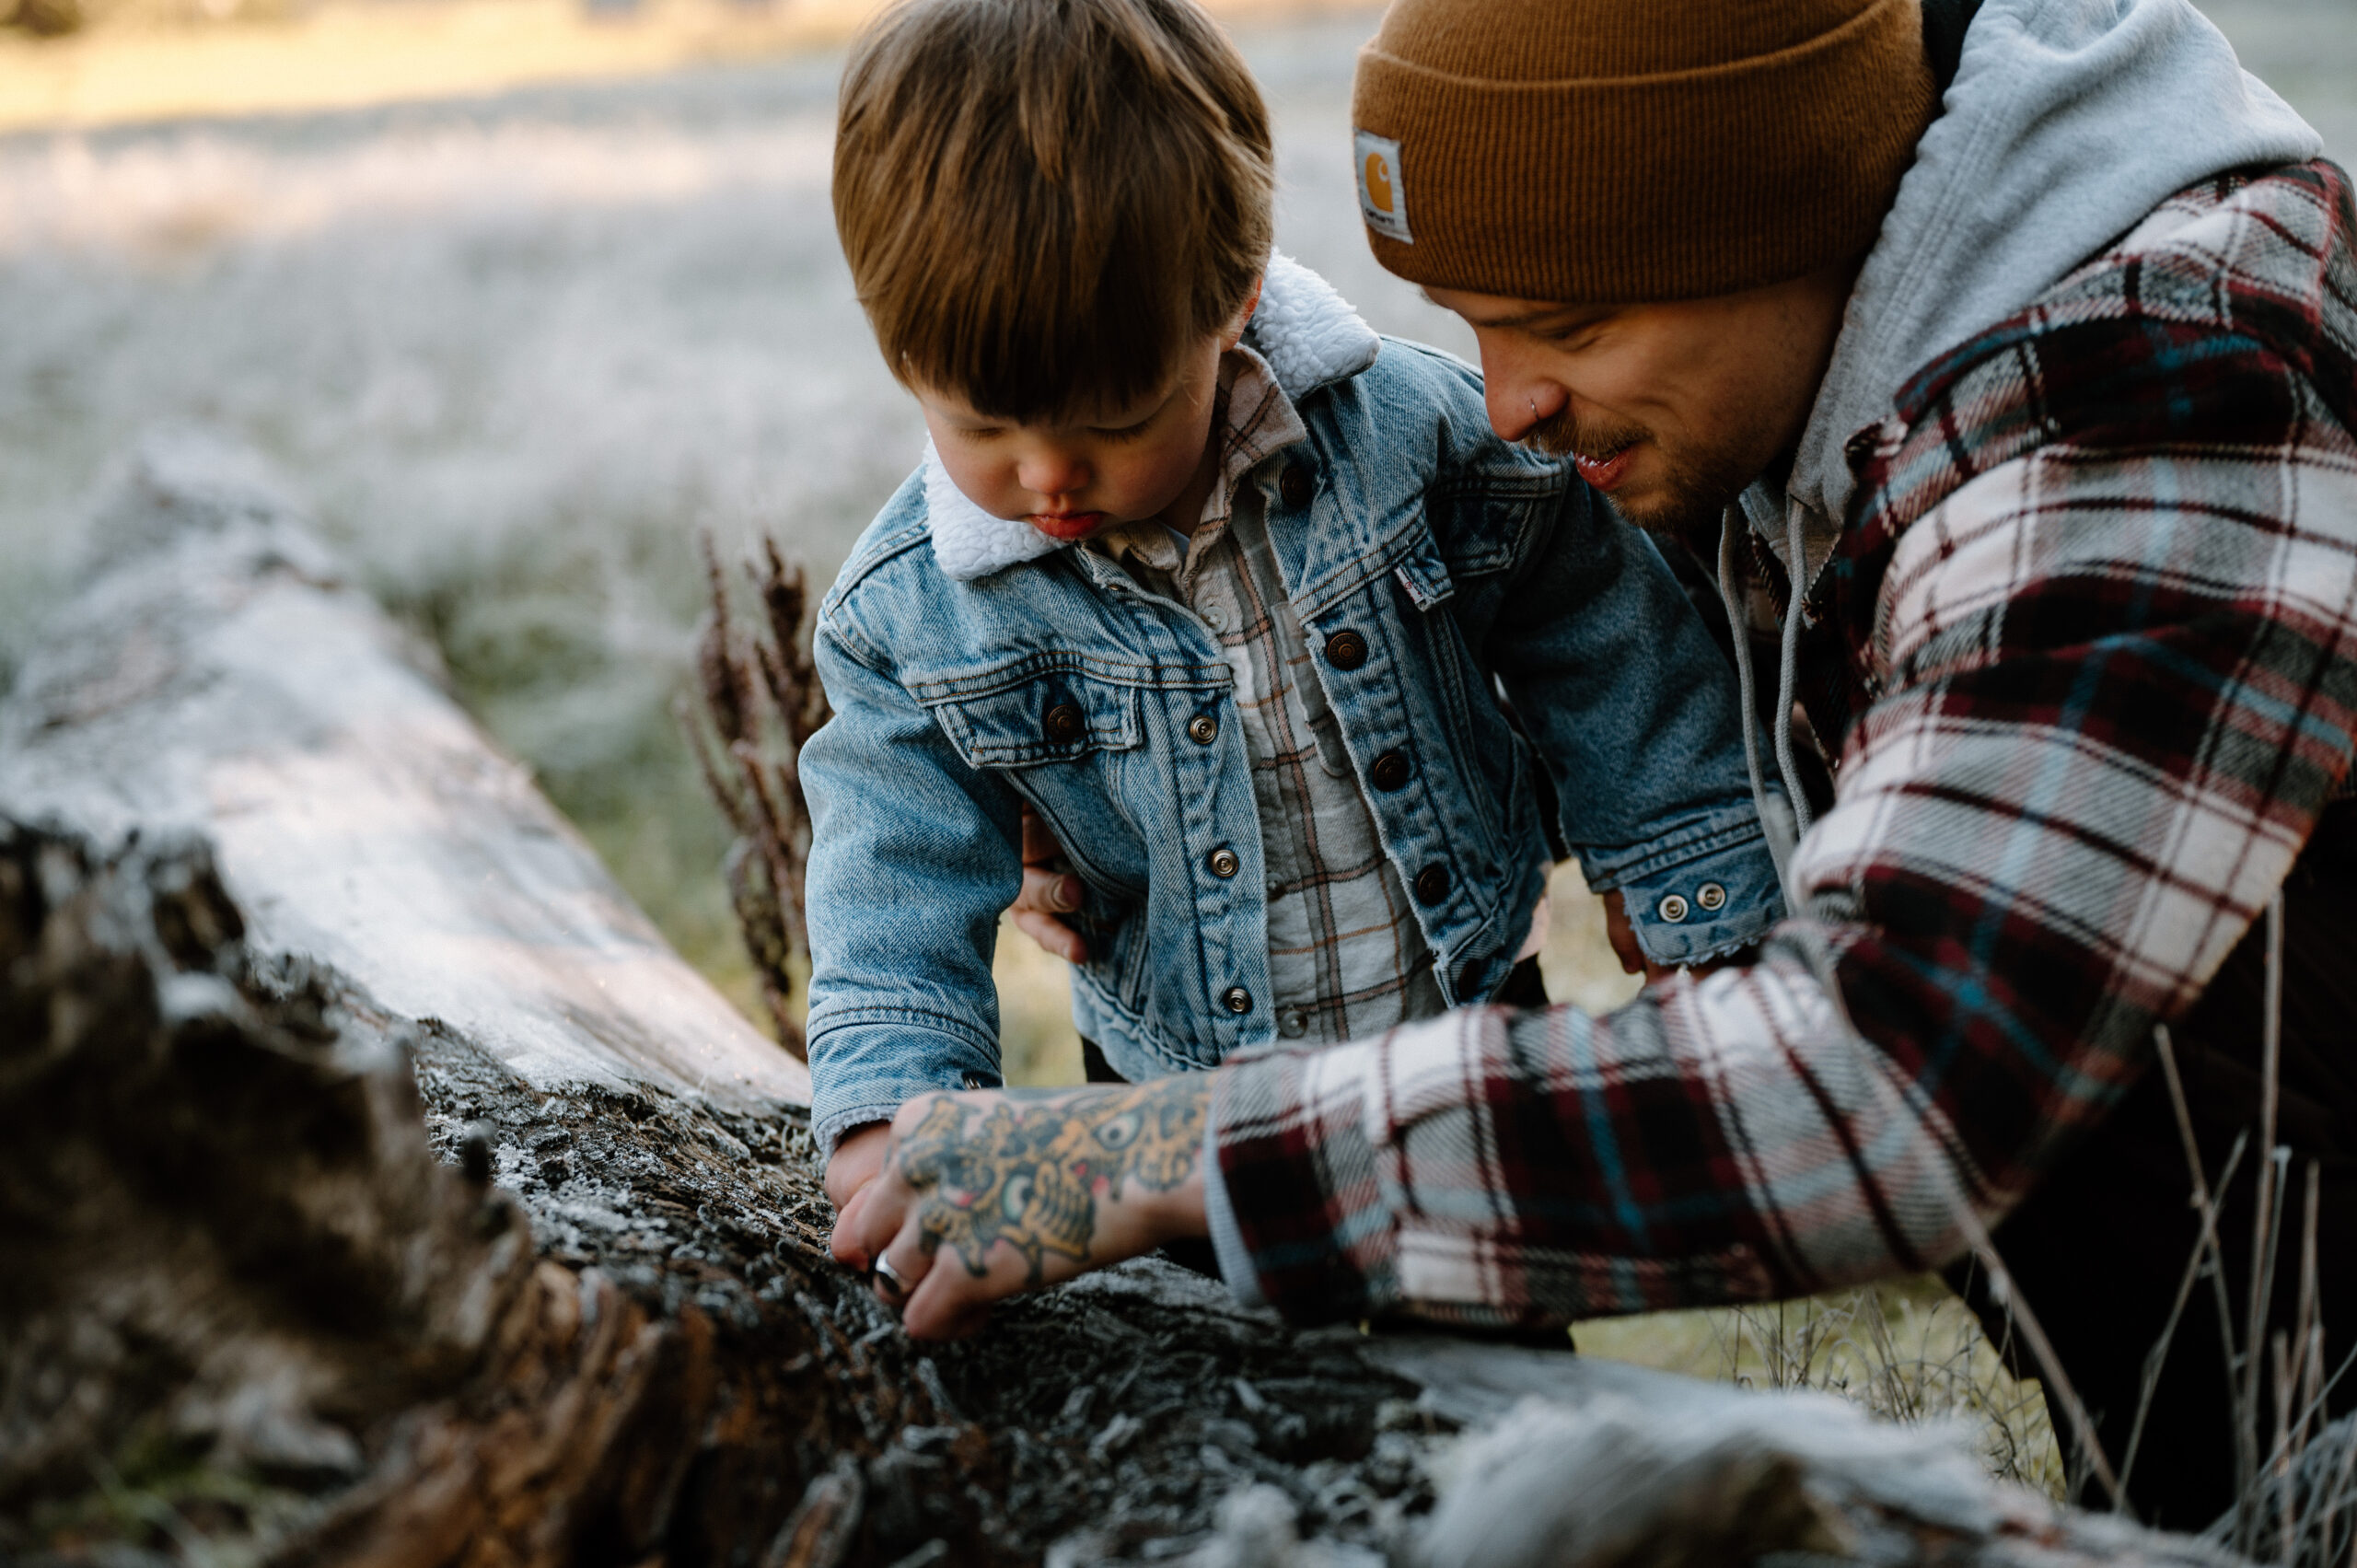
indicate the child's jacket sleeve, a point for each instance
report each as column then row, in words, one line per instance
column 1634, row 713
column 913, row 856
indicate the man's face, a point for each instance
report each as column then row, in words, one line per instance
column 1668, row 410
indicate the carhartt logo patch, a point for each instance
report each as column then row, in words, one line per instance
column 1383, row 194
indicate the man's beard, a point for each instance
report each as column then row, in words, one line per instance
column 1692, row 496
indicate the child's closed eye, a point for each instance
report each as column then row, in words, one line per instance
column 1116, row 435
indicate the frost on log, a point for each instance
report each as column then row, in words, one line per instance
column 376, row 1186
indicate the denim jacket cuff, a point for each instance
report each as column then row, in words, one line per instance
column 1707, row 893
column 830, row 1132
column 865, row 1072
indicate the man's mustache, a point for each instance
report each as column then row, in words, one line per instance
column 1564, row 435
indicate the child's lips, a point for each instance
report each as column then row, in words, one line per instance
column 1067, row 526
column 1604, row 472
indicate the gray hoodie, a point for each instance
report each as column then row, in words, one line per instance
column 2067, row 120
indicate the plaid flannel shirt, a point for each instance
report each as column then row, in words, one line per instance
column 2099, row 592
column 1346, row 955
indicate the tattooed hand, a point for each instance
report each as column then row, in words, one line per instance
column 987, row 1193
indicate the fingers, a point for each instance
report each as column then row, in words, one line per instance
column 859, row 1155
column 1052, row 935
column 945, row 1299
column 1049, row 889
column 844, row 1244
column 874, row 1218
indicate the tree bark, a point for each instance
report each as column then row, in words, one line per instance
column 377, row 1188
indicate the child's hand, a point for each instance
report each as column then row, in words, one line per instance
column 987, row 1193
column 859, row 1155
column 1049, row 889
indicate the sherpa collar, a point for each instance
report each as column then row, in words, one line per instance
column 1305, row 331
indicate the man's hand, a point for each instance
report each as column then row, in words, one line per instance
column 988, row 1193
column 1049, row 889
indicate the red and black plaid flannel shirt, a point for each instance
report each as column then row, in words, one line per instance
column 2100, row 589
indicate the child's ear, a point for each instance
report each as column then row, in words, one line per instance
column 1243, row 316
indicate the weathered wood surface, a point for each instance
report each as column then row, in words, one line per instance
column 242, row 1302
column 219, row 674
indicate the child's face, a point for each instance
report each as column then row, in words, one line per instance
column 1072, row 481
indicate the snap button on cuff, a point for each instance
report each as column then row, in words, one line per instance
column 1672, row 908
column 1236, row 999
column 1065, row 722
column 1202, row 729
column 1711, row 897
column 1223, row 862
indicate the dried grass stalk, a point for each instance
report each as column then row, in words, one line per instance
column 761, row 701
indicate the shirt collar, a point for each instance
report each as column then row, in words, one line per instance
column 1253, row 419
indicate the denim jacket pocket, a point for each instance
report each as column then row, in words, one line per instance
column 1052, row 716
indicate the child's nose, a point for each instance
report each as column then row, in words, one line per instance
column 1050, row 472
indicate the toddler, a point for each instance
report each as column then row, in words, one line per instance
column 1303, row 668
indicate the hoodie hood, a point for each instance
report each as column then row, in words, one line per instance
column 2068, row 122
column 1305, row 331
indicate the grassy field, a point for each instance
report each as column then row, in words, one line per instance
column 147, row 61
column 521, row 296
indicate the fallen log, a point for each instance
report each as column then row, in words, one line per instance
column 377, row 1188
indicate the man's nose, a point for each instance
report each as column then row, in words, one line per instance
column 1518, row 400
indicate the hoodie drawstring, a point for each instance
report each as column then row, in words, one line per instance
column 1775, row 818
column 1787, row 671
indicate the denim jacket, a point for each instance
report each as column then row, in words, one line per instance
column 976, row 666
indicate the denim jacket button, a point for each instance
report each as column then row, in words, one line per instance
column 1202, row 729
column 1065, row 722
column 1346, row 650
column 1293, row 1023
column 1711, row 897
column 1223, row 862
column 1295, row 485
column 1432, row 884
column 1672, row 908
column 1391, row 771
column 1236, row 999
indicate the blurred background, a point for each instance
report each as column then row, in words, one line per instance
column 521, row 294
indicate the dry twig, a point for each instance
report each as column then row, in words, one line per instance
column 761, row 701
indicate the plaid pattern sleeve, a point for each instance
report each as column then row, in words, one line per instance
column 2101, row 596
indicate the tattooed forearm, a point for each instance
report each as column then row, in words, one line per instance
column 1031, row 1173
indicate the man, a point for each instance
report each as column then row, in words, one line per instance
column 2042, row 388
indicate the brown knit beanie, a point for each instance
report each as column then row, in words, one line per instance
column 1620, row 151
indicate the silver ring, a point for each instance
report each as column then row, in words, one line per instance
column 884, row 1267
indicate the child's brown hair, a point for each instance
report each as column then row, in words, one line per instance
column 1044, row 202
